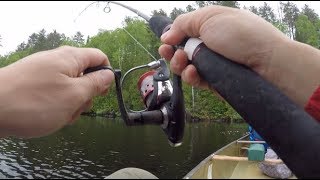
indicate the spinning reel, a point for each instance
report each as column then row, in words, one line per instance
column 162, row 97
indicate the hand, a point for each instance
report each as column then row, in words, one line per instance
column 245, row 38
column 44, row 92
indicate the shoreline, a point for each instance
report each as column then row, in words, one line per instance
column 190, row 118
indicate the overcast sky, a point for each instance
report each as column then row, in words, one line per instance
column 18, row 20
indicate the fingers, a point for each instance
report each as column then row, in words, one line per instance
column 190, row 76
column 179, row 62
column 179, row 59
column 190, row 24
column 179, row 65
column 85, row 57
column 181, row 28
column 166, row 51
column 93, row 84
column 90, row 57
column 85, row 107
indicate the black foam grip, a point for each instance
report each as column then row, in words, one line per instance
column 159, row 24
column 292, row 133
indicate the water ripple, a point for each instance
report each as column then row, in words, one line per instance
column 91, row 150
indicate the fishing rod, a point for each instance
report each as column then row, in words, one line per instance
column 291, row 132
column 163, row 97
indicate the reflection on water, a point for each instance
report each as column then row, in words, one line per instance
column 96, row 147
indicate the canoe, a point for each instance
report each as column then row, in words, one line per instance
column 231, row 162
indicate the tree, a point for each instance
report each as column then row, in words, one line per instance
column 190, row 8
column 21, row 47
column 54, row 39
column 312, row 16
column 306, row 31
column 267, row 13
column 78, row 39
column 282, row 27
column 33, row 38
column 254, row 10
column 176, row 12
column 125, row 53
column 128, row 20
column 291, row 13
column 88, row 39
column 41, row 42
column 201, row 4
column 233, row 4
column 317, row 26
column 159, row 12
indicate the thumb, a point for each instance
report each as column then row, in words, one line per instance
column 191, row 24
column 94, row 83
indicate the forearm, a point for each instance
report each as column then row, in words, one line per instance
column 4, row 90
column 295, row 69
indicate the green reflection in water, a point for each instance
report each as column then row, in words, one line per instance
column 96, row 147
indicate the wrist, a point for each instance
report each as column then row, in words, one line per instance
column 294, row 69
column 3, row 101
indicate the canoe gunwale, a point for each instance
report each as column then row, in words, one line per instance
column 209, row 158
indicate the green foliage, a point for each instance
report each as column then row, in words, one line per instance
column 37, row 42
column 254, row 10
column 159, row 12
column 282, row 27
column 78, row 39
column 306, row 32
column 291, row 13
column 68, row 42
column 267, row 13
column 208, row 105
column 42, row 41
column 176, row 12
column 190, row 8
column 317, row 26
column 124, row 53
column 54, row 40
column 13, row 57
column 233, row 4
column 312, row 16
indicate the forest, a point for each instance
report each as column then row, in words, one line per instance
column 124, row 53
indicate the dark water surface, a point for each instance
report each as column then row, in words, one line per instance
column 96, row 147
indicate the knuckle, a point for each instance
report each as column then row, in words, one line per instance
column 66, row 48
column 179, row 18
column 101, row 53
column 65, row 51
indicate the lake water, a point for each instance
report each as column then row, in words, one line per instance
column 96, row 147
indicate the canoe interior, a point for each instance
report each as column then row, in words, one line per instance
column 227, row 169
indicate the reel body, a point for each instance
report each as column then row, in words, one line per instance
column 163, row 99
